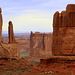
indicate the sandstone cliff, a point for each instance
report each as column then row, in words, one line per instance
column 64, row 32
column 40, row 44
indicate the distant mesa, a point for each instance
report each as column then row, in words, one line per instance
column 40, row 44
column 37, row 32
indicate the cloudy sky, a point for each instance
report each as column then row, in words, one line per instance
column 31, row 15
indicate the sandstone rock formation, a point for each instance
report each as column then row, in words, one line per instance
column 0, row 24
column 40, row 44
column 8, row 50
column 11, row 34
column 64, row 32
column 13, row 45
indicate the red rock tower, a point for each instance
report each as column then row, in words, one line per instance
column 11, row 33
column 0, row 24
column 64, row 32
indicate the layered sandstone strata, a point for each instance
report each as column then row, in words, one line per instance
column 64, row 32
column 40, row 44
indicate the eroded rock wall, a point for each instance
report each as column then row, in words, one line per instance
column 40, row 44
column 8, row 50
column 64, row 32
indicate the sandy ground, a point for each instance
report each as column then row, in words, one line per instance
column 28, row 67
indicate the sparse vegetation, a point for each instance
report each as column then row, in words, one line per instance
column 36, row 62
column 57, row 71
column 24, row 54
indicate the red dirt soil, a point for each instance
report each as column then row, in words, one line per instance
column 26, row 67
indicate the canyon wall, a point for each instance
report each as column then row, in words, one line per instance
column 40, row 44
column 64, row 32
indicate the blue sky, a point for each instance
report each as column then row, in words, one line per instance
column 31, row 15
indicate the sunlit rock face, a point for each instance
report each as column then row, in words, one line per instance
column 0, row 24
column 64, row 32
column 40, row 44
column 11, row 33
column 9, row 50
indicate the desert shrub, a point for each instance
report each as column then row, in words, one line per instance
column 57, row 71
column 36, row 62
column 24, row 54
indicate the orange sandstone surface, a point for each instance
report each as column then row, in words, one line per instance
column 11, row 49
column 64, row 32
column 63, row 44
column 63, row 60
column 40, row 44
